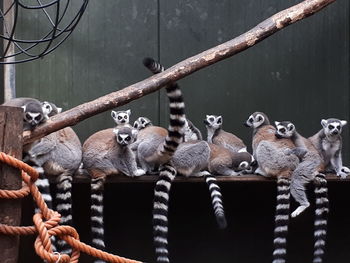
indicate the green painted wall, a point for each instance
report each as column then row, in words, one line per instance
column 299, row 74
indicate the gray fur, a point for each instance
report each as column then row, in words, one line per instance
column 328, row 142
column 191, row 132
column 108, row 151
column 191, row 158
column 50, row 109
column 32, row 111
column 310, row 166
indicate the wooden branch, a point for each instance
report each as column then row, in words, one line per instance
column 182, row 69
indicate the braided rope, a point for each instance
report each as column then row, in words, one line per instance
column 46, row 222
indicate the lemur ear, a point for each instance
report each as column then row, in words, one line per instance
column 23, row 107
column 113, row 114
column 324, row 123
column 134, row 132
column 277, row 123
column 219, row 119
column 128, row 112
column 343, row 123
column 59, row 110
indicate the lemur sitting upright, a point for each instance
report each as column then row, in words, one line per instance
column 107, row 152
column 328, row 142
column 274, row 158
column 309, row 170
column 56, row 155
column 220, row 137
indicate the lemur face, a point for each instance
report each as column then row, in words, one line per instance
column 333, row 127
column 213, row 121
column 33, row 114
column 243, row 161
column 125, row 136
column 256, row 120
column 141, row 123
column 121, row 117
column 284, row 129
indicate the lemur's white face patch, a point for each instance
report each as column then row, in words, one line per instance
column 258, row 120
column 243, row 165
column 213, row 121
column 121, row 117
column 285, row 130
column 333, row 128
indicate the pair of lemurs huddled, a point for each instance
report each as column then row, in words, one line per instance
column 144, row 148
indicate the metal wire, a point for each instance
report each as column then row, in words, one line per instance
column 60, row 26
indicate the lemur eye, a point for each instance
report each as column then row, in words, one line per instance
column 120, row 138
column 219, row 120
column 260, row 118
column 38, row 118
column 135, row 125
column 211, row 119
column 47, row 107
column 283, row 130
column 143, row 121
column 28, row 116
column 291, row 127
column 251, row 120
column 119, row 117
column 338, row 127
column 128, row 138
column 331, row 127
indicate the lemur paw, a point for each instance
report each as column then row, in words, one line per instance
column 139, row 172
column 299, row 210
column 344, row 172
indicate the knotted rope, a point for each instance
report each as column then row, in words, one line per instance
column 46, row 222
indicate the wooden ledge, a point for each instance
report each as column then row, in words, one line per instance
column 83, row 178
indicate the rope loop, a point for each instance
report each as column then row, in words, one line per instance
column 46, row 222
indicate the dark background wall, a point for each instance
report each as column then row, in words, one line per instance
column 299, row 74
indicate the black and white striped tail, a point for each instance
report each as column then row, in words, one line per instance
column 321, row 215
column 64, row 207
column 177, row 111
column 160, row 212
column 281, row 220
column 97, row 229
column 43, row 185
column 216, row 199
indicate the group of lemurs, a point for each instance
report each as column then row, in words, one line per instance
column 142, row 148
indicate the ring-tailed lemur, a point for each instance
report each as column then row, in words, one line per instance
column 328, row 142
column 220, row 137
column 107, row 152
column 121, row 117
column 141, row 123
column 57, row 155
column 309, row 170
column 274, row 158
column 156, row 148
column 32, row 111
column 196, row 158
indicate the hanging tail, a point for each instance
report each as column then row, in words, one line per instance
column 281, row 220
column 97, row 229
column 177, row 113
column 43, row 185
column 321, row 214
column 160, row 212
column 216, row 199
column 64, row 207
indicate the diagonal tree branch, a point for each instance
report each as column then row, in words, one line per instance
column 186, row 67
